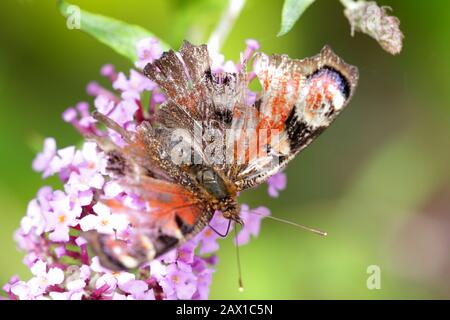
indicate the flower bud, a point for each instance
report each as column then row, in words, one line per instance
column 373, row 20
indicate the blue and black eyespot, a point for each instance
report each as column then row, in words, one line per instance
column 333, row 74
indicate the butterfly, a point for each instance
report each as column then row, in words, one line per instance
column 298, row 101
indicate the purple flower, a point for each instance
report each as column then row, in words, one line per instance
column 148, row 49
column 75, row 291
column 42, row 162
column 66, row 295
column 70, row 115
column 43, row 278
column 62, row 162
column 78, row 198
column 50, row 230
column 251, row 98
column 178, row 283
column 133, row 87
column 252, row 223
column 95, row 90
column 85, row 179
column 22, row 291
column 208, row 237
column 124, row 112
column 104, row 105
column 184, row 253
column 219, row 64
column 61, row 218
column 252, row 46
column 34, row 219
column 276, row 183
column 112, row 189
column 104, row 221
column 204, row 279
column 137, row 290
column 109, row 71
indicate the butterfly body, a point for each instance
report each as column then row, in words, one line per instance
column 208, row 144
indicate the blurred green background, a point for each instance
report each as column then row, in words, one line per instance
column 378, row 180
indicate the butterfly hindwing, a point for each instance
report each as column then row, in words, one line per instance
column 171, row 216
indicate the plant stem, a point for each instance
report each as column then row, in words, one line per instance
column 224, row 26
column 349, row 4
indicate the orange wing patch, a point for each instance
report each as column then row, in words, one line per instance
column 165, row 202
column 281, row 79
column 171, row 216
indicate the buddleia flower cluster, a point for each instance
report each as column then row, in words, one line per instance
column 60, row 261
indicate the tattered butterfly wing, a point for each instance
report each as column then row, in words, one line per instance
column 300, row 99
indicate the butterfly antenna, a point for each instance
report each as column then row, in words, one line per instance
column 238, row 259
column 111, row 124
column 316, row 231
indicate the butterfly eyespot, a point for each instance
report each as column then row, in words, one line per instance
column 329, row 76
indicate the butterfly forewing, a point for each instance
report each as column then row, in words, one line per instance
column 300, row 99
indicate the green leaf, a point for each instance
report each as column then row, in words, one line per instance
column 292, row 10
column 118, row 35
